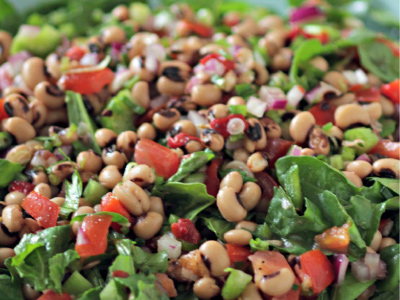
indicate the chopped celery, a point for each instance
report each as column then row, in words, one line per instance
column 114, row 291
column 93, row 192
column 348, row 154
column 366, row 136
column 76, row 284
column 336, row 161
column 235, row 284
column 238, row 109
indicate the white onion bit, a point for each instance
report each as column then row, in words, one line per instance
column 235, row 126
column 172, row 246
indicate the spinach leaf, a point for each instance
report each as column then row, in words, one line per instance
column 350, row 289
column 142, row 286
column 192, row 163
column 388, row 127
column 218, row 225
column 78, row 116
column 386, row 295
column 123, row 263
column 245, row 90
column 150, row 263
column 391, row 256
column 12, row 289
column 8, row 172
column 392, row 184
column 57, row 266
column 378, row 59
column 185, row 200
column 92, row 294
column 73, row 191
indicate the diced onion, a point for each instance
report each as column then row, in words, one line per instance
column 304, row 14
column 296, row 150
column 350, row 76
column 362, row 78
column 156, row 50
column 275, row 97
column 340, row 264
column 237, row 164
column 89, row 59
column 6, row 75
column 387, row 228
column 196, row 118
column 151, row 64
column 364, row 157
column 295, row 95
column 102, row 65
column 214, row 66
column 81, row 238
column 371, row 267
column 235, row 126
column 17, row 61
column 172, row 246
column 256, row 107
column 29, row 30
column 119, row 80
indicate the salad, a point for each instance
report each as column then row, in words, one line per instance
column 186, row 153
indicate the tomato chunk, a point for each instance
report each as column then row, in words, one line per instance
column 42, row 209
column 180, row 140
column 3, row 113
column 315, row 271
column 160, row 158
column 52, row 295
column 92, row 235
column 198, row 28
column 24, row 187
column 276, row 148
column 221, row 124
column 237, row 253
column 87, row 82
column 371, row 94
column 388, row 148
column 392, row 91
column 75, row 53
column 168, row 284
column 323, row 113
column 185, row 230
column 212, row 180
column 335, row 239
column 112, row 204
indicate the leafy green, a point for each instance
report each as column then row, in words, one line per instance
column 123, row 263
column 391, row 184
column 235, row 283
column 113, row 290
column 8, row 172
column 218, row 226
column 245, row 90
column 73, row 191
column 58, row 264
column 388, row 127
column 379, row 59
column 92, row 294
column 12, row 289
column 238, row 109
column 76, row 284
column 142, row 286
column 291, row 184
column 191, row 164
column 391, row 256
column 259, row 244
column 78, row 116
column 150, row 263
column 185, row 200
column 94, row 191
column 350, row 289
column 368, row 137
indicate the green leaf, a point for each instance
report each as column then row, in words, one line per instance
column 185, row 200
column 57, row 266
column 235, row 283
column 291, row 184
column 113, row 290
column 123, row 263
column 92, row 294
column 238, row 109
column 191, row 164
column 259, row 244
column 391, row 256
column 12, row 289
column 245, row 90
column 388, row 127
column 350, row 289
column 8, row 172
column 142, row 286
column 150, row 263
column 391, row 184
column 73, row 191
column 218, row 226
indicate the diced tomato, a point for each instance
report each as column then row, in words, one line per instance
column 221, row 124
column 315, row 269
column 75, row 53
column 3, row 114
column 238, row 253
column 371, row 94
column 212, row 180
column 228, row 64
column 388, row 148
column 383, row 223
column 87, row 82
column 92, row 235
column 52, row 295
column 335, row 239
column 323, row 113
column 185, row 230
column 198, row 28
column 391, row 44
column 267, row 184
column 276, row 148
column 160, row 158
column 120, row 274
column 298, row 31
column 392, row 91
column 167, row 283
column 42, row 209
column 24, row 187
column 181, row 139
column 112, row 204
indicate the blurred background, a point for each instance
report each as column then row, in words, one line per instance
column 379, row 15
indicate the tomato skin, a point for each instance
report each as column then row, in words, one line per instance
column 162, row 159
column 181, row 140
column 388, row 148
column 323, row 113
column 87, row 82
column 212, row 180
column 383, row 224
column 75, row 53
column 3, row 113
column 42, row 209
column 52, row 295
column 392, row 45
column 21, row 186
column 391, row 90
column 317, row 267
column 198, row 28
column 93, row 234
column 276, row 148
column 237, row 253
column 334, row 239
column 168, row 284
column 112, row 204
column 185, row 230
column 220, row 125
column 371, row 94
column 228, row 64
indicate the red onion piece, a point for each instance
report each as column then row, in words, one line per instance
column 192, row 83
column 296, row 151
column 81, row 237
column 371, row 267
column 196, row 118
column 213, row 66
column 304, row 14
column 275, row 97
column 360, row 271
column 17, row 60
column 235, row 126
column 116, row 48
column 6, row 75
column 279, row 104
column 318, row 93
column 295, row 95
column 364, row 157
column 151, row 64
column 340, row 264
column 158, row 101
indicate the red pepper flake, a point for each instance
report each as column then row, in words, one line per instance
column 181, row 139
column 228, row 64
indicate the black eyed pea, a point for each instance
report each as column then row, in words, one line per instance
column 20, row 129
column 261, row 74
column 360, row 167
column 146, row 131
column 376, row 241
column 320, row 63
column 113, row 34
column 43, row 189
column 257, row 162
column 233, row 180
column 29, row 293
column 4, row 254
column 156, row 205
column 212, row 139
column 39, row 113
column 12, row 218
column 60, row 171
column 307, row 152
column 241, row 154
column 246, row 28
column 354, row 178
column 83, row 202
column 249, row 144
column 148, row 225
column 120, row 12
column 138, row 67
column 97, row 208
column 126, row 141
column 388, row 107
column 50, row 95
column 318, row 141
column 246, row 77
column 113, row 158
column 53, row 64
column 271, row 22
column 251, row 293
column 250, row 195
column 229, row 82
column 83, row 210
column 110, row 176
column 337, row 80
column 175, row 70
column 386, row 167
column 238, row 237
column 217, row 111
column 245, row 57
column 235, row 39
column 386, row 242
column 374, row 110
column 184, row 126
column 236, row 100
column 256, row 133
column 39, row 177
column 194, row 146
column 17, row 105
column 5, row 238
column 105, row 137
column 300, row 126
column 58, row 200
column 170, row 88
column 278, row 283
column 142, row 175
column 20, row 154
column 346, row 98
column 282, row 60
column 247, row 225
column 164, row 119
column 34, row 145
column 132, row 197
column 335, row 132
column 206, row 288
column 373, row 80
column 89, row 161
column 5, row 45
column 272, row 129
column 179, row 152
column 350, row 114
column 206, row 94
column 14, row 198
column 278, row 36
column 140, row 93
column 34, row 71
column 209, row 49
column 216, row 255
column 229, row 206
